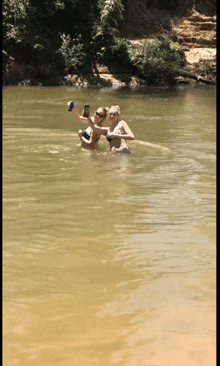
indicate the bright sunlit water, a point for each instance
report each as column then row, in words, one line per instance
column 109, row 259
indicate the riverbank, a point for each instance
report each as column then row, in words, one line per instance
column 194, row 33
column 200, row 63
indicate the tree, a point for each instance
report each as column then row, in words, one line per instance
column 55, row 36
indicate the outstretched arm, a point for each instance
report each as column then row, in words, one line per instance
column 78, row 117
column 96, row 128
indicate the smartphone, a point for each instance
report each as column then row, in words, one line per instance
column 86, row 110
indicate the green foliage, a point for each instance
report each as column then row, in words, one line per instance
column 50, row 36
column 117, row 56
column 111, row 11
column 73, row 52
column 106, row 45
column 14, row 15
column 157, row 62
column 45, row 38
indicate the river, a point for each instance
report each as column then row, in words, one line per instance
column 109, row 259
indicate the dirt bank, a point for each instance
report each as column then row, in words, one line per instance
column 196, row 33
column 200, row 62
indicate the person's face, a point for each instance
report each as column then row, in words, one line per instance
column 113, row 116
column 99, row 117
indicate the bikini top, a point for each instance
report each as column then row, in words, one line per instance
column 118, row 130
column 88, row 135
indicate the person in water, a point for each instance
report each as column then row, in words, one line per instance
column 118, row 132
column 89, row 137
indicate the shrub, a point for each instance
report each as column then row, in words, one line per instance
column 73, row 52
column 157, row 62
column 117, row 58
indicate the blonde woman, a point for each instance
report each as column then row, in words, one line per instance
column 89, row 137
column 118, row 132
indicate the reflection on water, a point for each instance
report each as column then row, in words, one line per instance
column 109, row 259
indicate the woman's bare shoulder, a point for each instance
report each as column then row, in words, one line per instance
column 122, row 123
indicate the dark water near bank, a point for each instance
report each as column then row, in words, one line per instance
column 109, row 260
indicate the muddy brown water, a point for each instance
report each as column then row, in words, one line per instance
column 109, row 259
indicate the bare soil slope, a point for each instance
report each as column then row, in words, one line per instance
column 196, row 33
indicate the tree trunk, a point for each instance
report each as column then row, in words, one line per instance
column 195, row 77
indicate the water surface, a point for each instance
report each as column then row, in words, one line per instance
column 109, row 259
